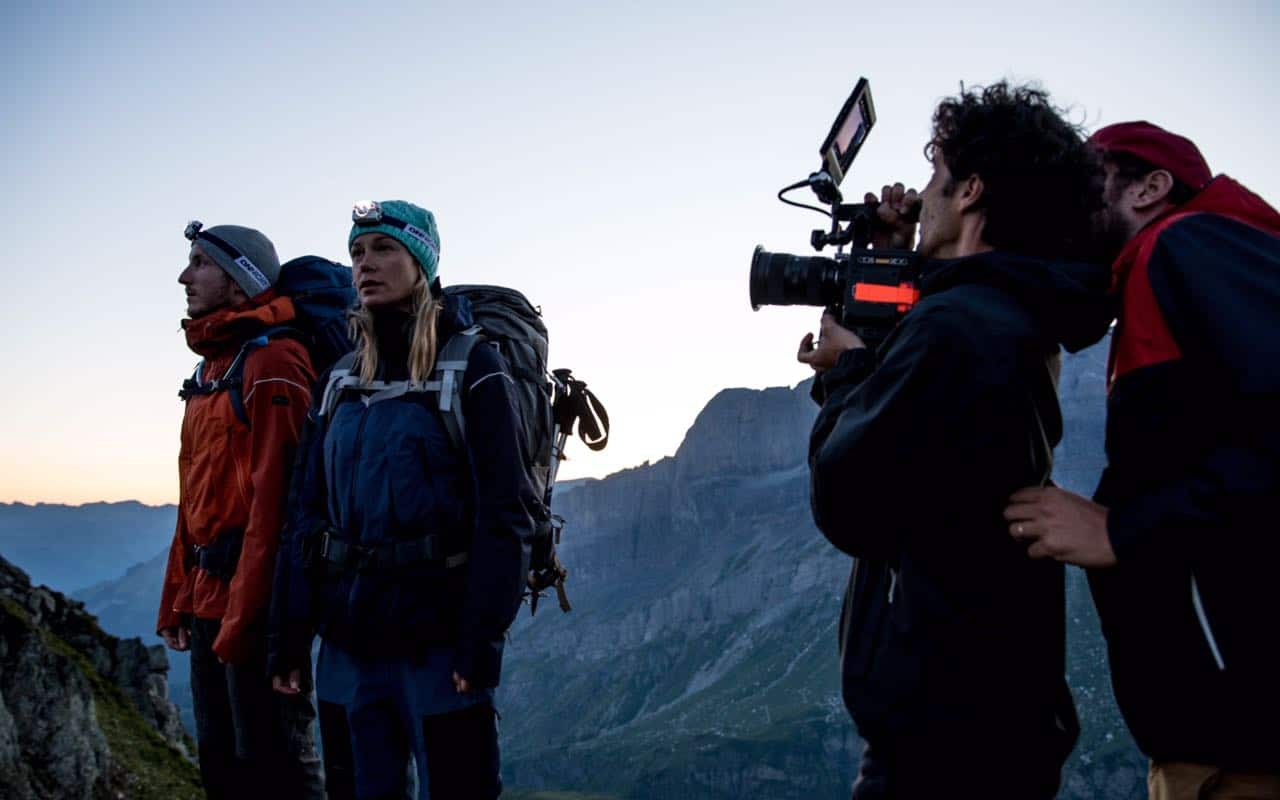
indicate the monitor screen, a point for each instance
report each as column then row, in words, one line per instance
column 849, row 131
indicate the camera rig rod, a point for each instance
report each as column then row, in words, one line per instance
column 861, row 219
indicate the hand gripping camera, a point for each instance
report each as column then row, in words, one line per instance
column 867, row 290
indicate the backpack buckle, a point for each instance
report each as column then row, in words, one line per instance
column 361, row 557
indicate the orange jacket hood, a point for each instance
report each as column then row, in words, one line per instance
column 227, row 328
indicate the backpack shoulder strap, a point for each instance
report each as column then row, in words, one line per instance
column 447, row 379
column 451, row 366
column 231, row 381
column 194, row 385
column 340, row 378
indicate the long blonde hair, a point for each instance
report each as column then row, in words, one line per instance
column 422, row 348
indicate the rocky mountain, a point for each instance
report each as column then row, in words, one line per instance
column 82, row 714
column 71, row 547
column 127, row 606
column 700, row 658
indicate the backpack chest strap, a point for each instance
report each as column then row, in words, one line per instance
column 232, row 381
column 446, row 383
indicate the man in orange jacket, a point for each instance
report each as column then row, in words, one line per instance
column 245, row 407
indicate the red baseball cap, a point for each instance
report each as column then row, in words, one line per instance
column 1153, row 144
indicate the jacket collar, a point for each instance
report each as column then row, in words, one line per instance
column 1068, row 300
column 228, row 328
column 1223, row 196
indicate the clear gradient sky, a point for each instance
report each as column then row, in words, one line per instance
column 615, row 161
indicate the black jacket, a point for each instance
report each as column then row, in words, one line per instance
column 950, row 634
column 1192, row 609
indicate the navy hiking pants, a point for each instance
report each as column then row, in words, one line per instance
column 375, row 713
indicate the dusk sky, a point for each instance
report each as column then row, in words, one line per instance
column 616, row 162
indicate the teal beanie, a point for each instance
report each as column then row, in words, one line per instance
column 412, row 226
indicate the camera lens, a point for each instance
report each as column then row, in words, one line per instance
column 781, row 279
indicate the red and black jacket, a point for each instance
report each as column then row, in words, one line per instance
column 1191, row 610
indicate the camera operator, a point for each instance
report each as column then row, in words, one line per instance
column 1181, row 543
column 951, row 637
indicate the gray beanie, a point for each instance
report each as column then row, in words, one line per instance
column 243, row 253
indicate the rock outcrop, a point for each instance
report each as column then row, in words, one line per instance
column 82, row 714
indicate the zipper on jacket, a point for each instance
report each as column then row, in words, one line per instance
column 355, row 471
column 1204, row 625
column 893, row 582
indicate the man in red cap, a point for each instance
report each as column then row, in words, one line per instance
column 1182, row 542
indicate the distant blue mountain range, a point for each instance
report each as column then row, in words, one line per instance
column 72, row 547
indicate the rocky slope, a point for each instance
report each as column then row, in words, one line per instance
column 127, row 606
column 82, row 714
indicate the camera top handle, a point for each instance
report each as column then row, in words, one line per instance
column 848, row 132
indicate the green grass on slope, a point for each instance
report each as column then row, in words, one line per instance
column 154, row 769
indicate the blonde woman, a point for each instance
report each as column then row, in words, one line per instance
column 406, row 552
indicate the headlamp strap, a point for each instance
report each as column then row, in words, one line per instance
column 239, row 258
column 372, row 214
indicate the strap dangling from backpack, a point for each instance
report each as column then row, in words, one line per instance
column 576, row 404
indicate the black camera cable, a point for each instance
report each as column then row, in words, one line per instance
column 798, row 184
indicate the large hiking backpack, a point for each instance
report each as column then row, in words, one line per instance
column 549, row 405
column 322, row 293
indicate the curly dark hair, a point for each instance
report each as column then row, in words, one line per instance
column 1042, row 183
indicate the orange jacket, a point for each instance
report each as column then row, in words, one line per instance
column 234, row 476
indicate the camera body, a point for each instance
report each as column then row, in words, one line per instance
column 868, row 290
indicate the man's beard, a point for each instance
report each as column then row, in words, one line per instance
column 1109, row 236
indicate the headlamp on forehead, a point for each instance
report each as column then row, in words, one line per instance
column 193, row 230
column 369, row 213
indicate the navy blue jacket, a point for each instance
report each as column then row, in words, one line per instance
column 950, row 634
column 387, row 471
column 1191, row 609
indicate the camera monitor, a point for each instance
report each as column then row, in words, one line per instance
column 851, row 127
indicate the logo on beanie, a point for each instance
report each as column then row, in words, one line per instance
column 254, row 274
column 424, row 237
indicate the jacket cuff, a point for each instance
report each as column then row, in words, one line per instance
column 232, row 647
column 479, row 663
column 852, row 367
column 167, row 619
column 287, row 652
column 1128, row 535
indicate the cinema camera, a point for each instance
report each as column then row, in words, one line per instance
column 867, row 290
